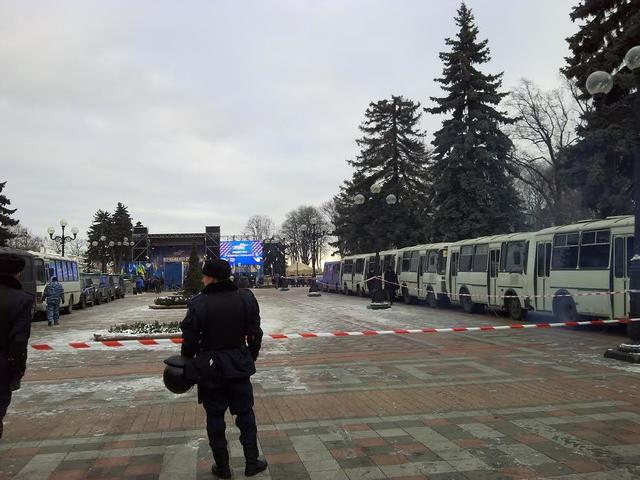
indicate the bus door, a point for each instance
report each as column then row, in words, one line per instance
column 421, row 269
column 492, row 284
column 622, row 253
column 453, row 276
column 542, row 290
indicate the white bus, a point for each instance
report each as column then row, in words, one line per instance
column 433, row 280
column 492, row 271
column 586, row 257
column 66, row 270
column 353, row 274
column 409, row 270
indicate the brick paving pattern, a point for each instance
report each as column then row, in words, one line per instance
column 494, row 405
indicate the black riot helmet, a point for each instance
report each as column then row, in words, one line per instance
column 174, row 374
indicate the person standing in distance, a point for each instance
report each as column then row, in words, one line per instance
column 223, row 324
column 53, row 294
column 16, row 307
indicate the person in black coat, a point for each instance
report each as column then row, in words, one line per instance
column 16, row 308
column 390, row 284
column 222, row 327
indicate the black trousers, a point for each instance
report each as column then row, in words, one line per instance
column 237, row 396
column 5, row 400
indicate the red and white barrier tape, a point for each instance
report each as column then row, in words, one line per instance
column 150, row 342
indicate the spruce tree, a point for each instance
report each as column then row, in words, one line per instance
column 102, row 225
column 193, row 280
column 600, row 165
column 392, row 154
column 5, row 218
column 472, row 194
column 122, row 226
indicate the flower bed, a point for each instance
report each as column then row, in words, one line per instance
column 145, row 328
column 171, row 300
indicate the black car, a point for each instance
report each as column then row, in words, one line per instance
column 118, row 286
column 104, row 291
column 87, row 292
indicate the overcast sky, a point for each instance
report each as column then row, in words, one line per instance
column 206, row 112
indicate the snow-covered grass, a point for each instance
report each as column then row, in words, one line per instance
column 145, row 328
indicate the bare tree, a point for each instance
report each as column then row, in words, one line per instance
column 24, row 239
column 303, row 247
column 259, row 227
column 546, row 125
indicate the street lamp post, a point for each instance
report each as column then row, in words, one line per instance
column 102, row 247
column 598, row 85
column 62, row 239
column 378, row 297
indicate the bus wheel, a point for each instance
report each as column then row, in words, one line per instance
column 432, row 301
column 515, row 309
column 358, row 291
column 565, row 310
column 406, row 297
column 69, row 309
column 467, row 304
column 83, row 302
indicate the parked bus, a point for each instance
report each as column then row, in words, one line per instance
column 433, row 280
column 590, row 256
column 410, row 262
column 331, row 277
column 353, row 274
column 491, row 271
column 50, row 265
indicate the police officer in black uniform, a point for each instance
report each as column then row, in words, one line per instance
column 16, row 307
column 222, row 326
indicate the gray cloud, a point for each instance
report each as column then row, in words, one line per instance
column 207, row 112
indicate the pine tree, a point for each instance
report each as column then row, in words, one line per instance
column 472, row 194
column 193, row 280
column 101, row 226
column 5, row 218
column 392, row 154
column 600, row 165
column 122, row 226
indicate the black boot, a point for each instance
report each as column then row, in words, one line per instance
column 221, row 468
column 253, row 464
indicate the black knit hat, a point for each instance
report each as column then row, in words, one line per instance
column 10, row 263
column 218, row 269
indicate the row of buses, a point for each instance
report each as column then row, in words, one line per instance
column 40, row 267
column 569, row 270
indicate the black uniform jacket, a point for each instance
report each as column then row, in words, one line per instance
column 222, row 318
column 16, row 307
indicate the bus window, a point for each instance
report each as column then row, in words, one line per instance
column 415, row 259
column 565, row 251
column 59, row 272
column 618, row 257
column 480, row 258
column 360, row 265
column 74, row 269
column 442, row 262
column 629, row 254
column 594, row 249
column 515, row 257
column 432, row 266
column 41, row 275
column 465, row 259
column 406, row 261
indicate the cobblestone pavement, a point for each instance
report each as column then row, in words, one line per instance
column 484, row 405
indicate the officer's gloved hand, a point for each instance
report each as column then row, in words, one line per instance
column 14, row 384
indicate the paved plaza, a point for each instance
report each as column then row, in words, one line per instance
column 513, row 404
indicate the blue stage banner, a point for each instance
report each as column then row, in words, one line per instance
column 241, row 252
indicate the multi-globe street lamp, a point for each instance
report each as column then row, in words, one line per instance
column 598, row 85
column 62, row 239
column 378, row 296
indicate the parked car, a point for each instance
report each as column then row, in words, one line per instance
column 118, row 286
column 104, row 291
column 87, row 292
